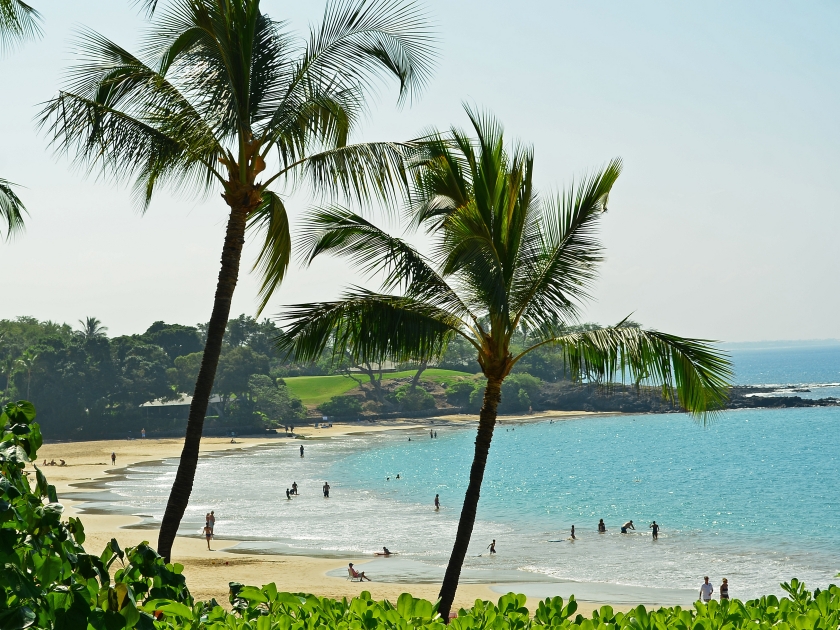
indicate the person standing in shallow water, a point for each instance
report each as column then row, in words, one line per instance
column 655, row 529
column 601, row 527
column 326, row 490
column 492, row 547
column 301, row 450
column 437, row 502
column 573, row 533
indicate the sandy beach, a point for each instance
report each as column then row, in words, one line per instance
column 208, row 573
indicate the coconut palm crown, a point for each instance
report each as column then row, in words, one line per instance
column 221, row 98
column 18, row 22
column 502, row 257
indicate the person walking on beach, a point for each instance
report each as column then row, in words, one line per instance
column 212, row 522
column 208, row 534
column 601, row 527
column 437, row 502
column 706, row 590
column 326, row 490
column 573, row 533
column 626, row 526
column 655, row 529
column 492, row 547
column 113, row 458
column 724, row 590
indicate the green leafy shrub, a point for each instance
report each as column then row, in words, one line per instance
column 48, row 579
column 341, row 406
column 458, row 393
column 413, row 398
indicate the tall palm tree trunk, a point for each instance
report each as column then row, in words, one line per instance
column 486, row 424
column 179, row 496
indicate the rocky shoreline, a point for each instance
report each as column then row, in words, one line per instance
column 573, row 397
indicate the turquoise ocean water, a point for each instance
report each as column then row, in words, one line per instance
column 752, row 496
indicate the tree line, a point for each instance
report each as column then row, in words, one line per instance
column 88, row 385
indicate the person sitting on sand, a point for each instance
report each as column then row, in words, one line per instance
column 63, row 463
column 626, row 526
column 601, row 527
column 360, row 575
column 52, row 462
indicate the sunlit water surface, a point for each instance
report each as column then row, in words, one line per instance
column 753, row 496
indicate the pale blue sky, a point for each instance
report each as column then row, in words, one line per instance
column 723, row 224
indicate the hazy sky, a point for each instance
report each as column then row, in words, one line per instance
column 723, row 224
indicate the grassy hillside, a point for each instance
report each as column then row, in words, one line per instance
column 313, row 390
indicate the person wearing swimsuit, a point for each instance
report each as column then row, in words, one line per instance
column 724, row 590
column 601, row 527
column 208, row 534
column 437, row 502
column 492, row 547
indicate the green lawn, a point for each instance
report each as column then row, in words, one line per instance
column 313, row 390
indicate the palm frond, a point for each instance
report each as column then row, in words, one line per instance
column 341, row 232
column 11, row 209
column 18, row 22
column 561, row 252
column 367, row 327
column 366, row 171
column 694, row 369
column 270, row 217
column 126, row 120
column 358, row 39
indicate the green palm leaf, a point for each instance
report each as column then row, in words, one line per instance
column 11, row 209
column 18, row 22
column 271, row 219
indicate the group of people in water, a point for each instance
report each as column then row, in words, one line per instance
column 293, row 491
column 602, row 528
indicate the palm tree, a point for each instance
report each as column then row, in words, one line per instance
column 18, row 22
column 92, row 328
column 27, row 363
column 502, row 257
column 222, row 95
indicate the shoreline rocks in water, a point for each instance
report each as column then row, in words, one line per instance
column 566, row 396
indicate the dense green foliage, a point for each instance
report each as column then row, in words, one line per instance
column 88, row 385
column 341, row 406
column 50, row 581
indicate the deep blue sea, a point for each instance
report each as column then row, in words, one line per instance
column 751, row 495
